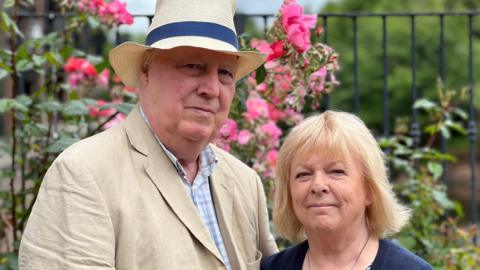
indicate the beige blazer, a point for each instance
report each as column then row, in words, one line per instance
column 115, row 201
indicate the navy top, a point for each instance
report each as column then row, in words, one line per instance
column 390, row 256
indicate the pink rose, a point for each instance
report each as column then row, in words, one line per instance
column 74, row 79
column 277, row 50
column 261, row 46
column 95, row 111
column 272, row 156
column 243, row 137
column 117, row 11
column 275, row 113
column 297, row 25
column 271, row 129
column 103, row 78
column 256, row 108
column 317, row 80
column 229, row 130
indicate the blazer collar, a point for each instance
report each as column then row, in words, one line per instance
column 165, row 177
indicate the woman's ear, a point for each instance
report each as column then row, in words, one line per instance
column 368, row 193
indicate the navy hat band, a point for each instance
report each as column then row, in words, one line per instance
column 200, row 29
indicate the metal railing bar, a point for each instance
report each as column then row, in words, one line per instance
column 386, row 114
column 414, row 128
column 355, row 66
column 472, row 129
column 441, row 72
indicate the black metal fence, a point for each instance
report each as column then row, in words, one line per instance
column 353, row 71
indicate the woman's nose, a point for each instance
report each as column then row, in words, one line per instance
column 319, row 185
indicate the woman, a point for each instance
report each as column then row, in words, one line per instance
column 332, row 189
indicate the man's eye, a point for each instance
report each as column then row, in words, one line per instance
column 225, row 72
column 226, row 76
column 193, row 66
column 193, row 69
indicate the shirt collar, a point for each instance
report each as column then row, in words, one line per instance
column 207, row 161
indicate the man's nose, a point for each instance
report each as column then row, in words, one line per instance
column 210, row 85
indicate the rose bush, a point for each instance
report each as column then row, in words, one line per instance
column 295, row 72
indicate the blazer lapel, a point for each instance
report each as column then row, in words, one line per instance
column 223, row 192
column 165, row 177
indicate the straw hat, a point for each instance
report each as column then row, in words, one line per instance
column 204, row 24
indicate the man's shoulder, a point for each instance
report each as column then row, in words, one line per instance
column 97, row 147
column 290, row 258
column 390, row 253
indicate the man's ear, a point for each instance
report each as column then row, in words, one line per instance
column 143, row 77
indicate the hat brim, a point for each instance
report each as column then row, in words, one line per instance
column 126, row 60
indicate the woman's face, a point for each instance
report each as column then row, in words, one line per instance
column 328, row 194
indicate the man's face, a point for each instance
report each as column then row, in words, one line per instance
column 186, row 93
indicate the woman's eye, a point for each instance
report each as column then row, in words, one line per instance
column 337, row 172
column 301, row 175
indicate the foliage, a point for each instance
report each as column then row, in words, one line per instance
column 434, row 232
column 398, row 49
column 297, row 72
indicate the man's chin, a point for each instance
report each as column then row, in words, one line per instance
column 199, row 135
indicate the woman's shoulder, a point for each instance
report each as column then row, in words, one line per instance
column 390, row 255
column 290, row 258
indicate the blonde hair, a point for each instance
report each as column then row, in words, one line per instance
column 338, row 134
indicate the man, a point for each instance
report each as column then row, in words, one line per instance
column 153, row 193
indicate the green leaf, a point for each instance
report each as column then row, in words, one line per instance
column 49, row 106
column 95, row 60
column 457, row 127
column 5, row 22
column 22, row 52
column 3, row 73
column 431, row 129
column 424, row 104
column 124, row 108
column 92, row 22
column 51, row 38
column 75, row 108
column 38, row 60
column 435, row 169
column 8, row 3
column 9, row 24
column 54, row 58
column 61, row 144
column 7, row 104
column 24, row 65
column 25, row 100
column 445, row 132
column 90, row 101
column 27, row 3
column 441, row 198
column 260, row 75
column 461, row 113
